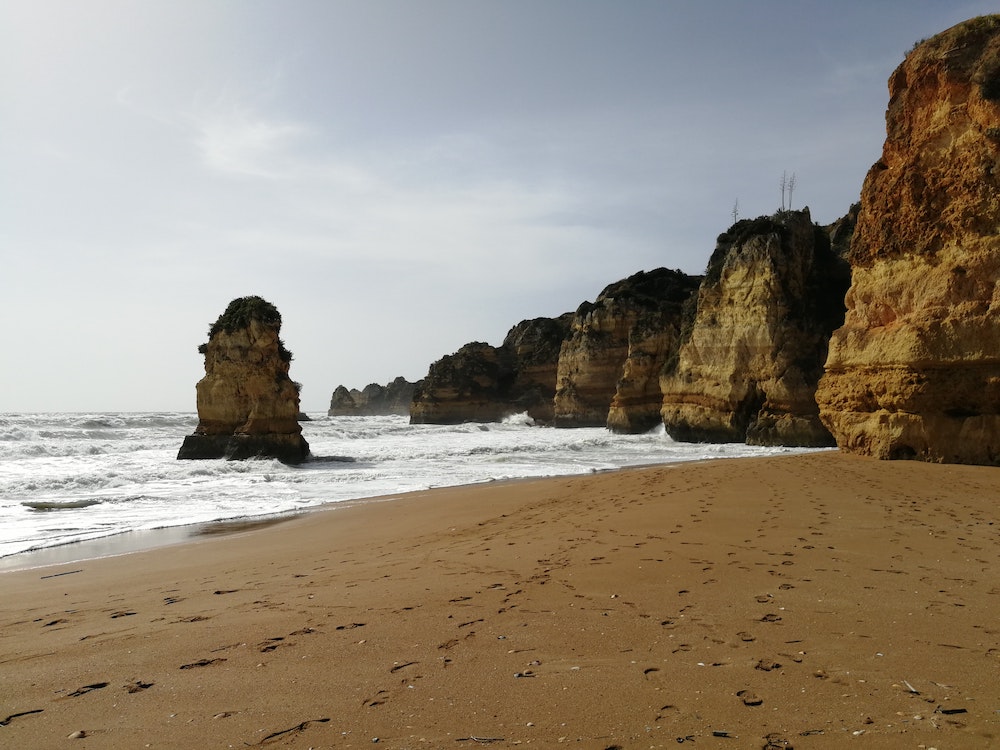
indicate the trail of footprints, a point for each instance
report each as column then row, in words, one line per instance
column 475, row 611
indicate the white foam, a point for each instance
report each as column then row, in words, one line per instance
column 72, row 477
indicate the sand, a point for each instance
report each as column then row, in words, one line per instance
column 807, row 601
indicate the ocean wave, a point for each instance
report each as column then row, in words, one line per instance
column 119, row 471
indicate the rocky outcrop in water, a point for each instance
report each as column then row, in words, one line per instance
column 483, row 383
column 753, row 345
column 625, row 320
column 915, row 370
column 247, row 404
column 375, row 400
column 535, row 345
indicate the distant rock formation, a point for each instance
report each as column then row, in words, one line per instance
column 482, row 383
column 535, row 345
column 247, row 405
column 374, row 400
column 915, row 370
column 753, row 346
column 633, row 320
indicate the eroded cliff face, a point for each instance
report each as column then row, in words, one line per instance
column 754, row 344
column 247, row 403
column 374, row 400
column 593, row 358
column 483, row 383
column 462, row 387
column 535, row 345
column 653, row 335
column 915, row 370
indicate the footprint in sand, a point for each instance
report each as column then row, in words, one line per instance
column 87, row 689
column 18, row 715
column 297, row 729
column 272, row 644
column 378, row 699
column 404, row 665
column 202, row 663
column 767, row 665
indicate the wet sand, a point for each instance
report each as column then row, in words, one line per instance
column 811, row 601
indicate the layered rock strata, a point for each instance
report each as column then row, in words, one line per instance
column 248, row 406
column 915, row 370
column 753, row 345
column 483, row 383
column 374, row 400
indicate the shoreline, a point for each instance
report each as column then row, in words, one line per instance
column 807, row 600
column 129, row 542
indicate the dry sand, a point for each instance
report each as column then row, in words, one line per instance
column 811, row 601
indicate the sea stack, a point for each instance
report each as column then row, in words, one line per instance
column 247, row 405
column 914, row 372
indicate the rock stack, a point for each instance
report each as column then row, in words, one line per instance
column 247, row 404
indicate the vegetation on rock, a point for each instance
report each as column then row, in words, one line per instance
column 240, row 312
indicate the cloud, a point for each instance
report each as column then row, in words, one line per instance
column 241, row 142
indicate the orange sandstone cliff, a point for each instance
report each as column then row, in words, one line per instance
column 247, row 404
column 752, row 348
column 915, row 370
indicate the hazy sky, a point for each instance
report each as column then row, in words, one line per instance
column 399, row 177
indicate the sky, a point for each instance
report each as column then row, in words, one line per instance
column 398, row 177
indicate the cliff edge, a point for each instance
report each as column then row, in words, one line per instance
column 914, row 372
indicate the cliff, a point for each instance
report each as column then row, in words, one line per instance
column 593, row 358
column 652, row 305
column 247, row 404
column 482, row 383
column 915, row 370
column 754, row 343
column 535, row 345
column 374, row 400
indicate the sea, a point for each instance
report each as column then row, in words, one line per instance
column 69, row 478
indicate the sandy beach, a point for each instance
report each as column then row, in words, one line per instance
column 809, row 601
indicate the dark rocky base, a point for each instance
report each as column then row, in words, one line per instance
column 289, row 449
column 763, row 434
